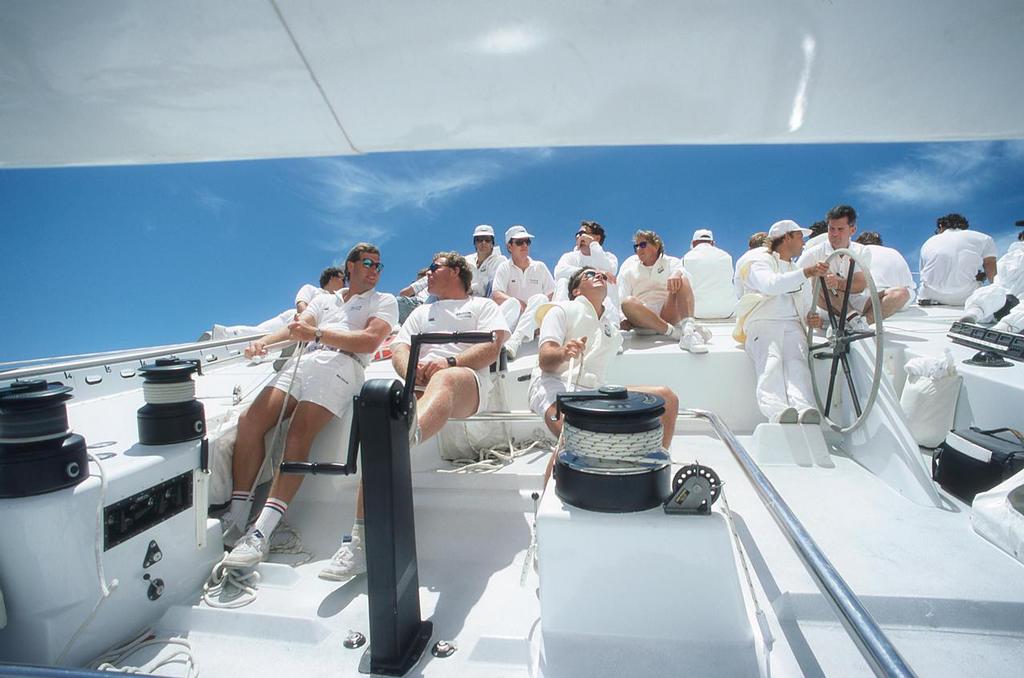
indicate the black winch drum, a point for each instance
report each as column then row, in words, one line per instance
column 611, row 459
column 38, row 453
column 171, row 413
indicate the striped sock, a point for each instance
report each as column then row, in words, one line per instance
column 238, row 512
column 271, row 515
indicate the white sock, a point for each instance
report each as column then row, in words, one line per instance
column 270, row 516
column 673, row 331
column 238, row 512
column 357, row 533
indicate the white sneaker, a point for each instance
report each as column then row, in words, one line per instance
column 346, row 563
column 787, row 416
column 810, row 416
column 512, row 347
column 857, row 323
column 249, row 551
column 705, row 333
column 693, row 341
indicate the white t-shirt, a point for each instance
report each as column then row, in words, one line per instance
column 710, row 270
column 599, row 258
column 472, row 314
column 840, row 265
column 1010, row 270
column 332, row 312
column 511, row 280
column 555, row 327
column 889, row 269
column 307, row 293
column 649, row 284
column 419, row 288
column 483, row 274
column 949, row 263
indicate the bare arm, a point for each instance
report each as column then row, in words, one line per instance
column 989, row 263
column 553, row 355
column 365, row 340
column 407, row 292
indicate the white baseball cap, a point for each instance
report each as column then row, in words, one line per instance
column 483, row 229
column 781, row 228
column 517, row 231
column 703, row 234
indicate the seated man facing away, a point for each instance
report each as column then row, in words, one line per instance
column 757, row 245
column 842, row 224
column 332, row 279
column 452, row 380
column 889, row 270
column 577, row 339
column 588, row 252
column 771, row 318
column 954, row 261
column 711, row 276
column 520, row 286
column 346, row 328
column 484, row 260
column 656, row 295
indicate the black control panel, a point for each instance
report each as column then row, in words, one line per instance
column 141, row 511
column 1005, row 344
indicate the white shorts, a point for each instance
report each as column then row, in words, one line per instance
column 544, row 391
column 326, row 378
column 857, row 301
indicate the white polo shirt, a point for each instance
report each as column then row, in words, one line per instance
column 599, row 258
column 710, row 270
column 483, row 274
column 647, row 283
column 949, row 263
column 889, row 269
column 332, row 312
column 840, row 265
column 307, row 293
column 472, row 314
column 511, row 280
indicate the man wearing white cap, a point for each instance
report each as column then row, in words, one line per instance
column 770, row 321
column 710, row 270
column 520, row 286
column 484, row 260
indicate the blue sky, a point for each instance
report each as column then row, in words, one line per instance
column 102, row 258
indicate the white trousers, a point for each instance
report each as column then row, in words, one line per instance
column 778, row 349
column 524, row 324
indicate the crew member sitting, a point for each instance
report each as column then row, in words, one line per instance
column 451, row 379
column 484, row 260
column 588, row 251
column 346, row 328
column 412, row 295
column 996, row 301
column 889, row 270
column 771, row 322
column 577, row 339
column 711, row 275
column 656, row 294
column 520, row 286
column 332, row 279
column 955, row 261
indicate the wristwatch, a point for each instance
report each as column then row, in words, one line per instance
column 318, row 335
column 451, row 361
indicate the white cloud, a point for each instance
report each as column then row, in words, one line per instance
column 940, row 173
column 210, row 200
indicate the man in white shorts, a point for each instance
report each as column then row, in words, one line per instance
column 955, row 261
column 711, row 275
column 577, row 340
column 842, row 224
column 345, row 328
column 484, row 260
column 890, row 271
column 656, row 294
column 521, row 284
column 451, row 379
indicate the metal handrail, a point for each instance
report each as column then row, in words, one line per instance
column 120, row 357
column 879, row 652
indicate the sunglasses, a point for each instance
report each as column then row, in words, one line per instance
column 640, row 245
column 590, row 275
column 483, row 238
column 581, row 232
column 434, row 266
column 370, row 263
column 519, row 242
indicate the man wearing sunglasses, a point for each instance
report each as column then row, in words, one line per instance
column 484, row 260
column 521, row 285
column 344, row 329
column 588, row 252
column 656, row 294
column 452, row 380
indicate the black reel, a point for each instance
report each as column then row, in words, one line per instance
column 694, row 489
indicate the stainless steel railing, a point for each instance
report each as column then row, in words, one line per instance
column 879, row 652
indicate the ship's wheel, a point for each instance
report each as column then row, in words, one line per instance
column 838, row 342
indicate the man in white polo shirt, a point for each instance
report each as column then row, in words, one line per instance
column 890, row 271
column 955, row 261
column 520, row 286
column 711, row 276
column 484, row 260
column 344, row 329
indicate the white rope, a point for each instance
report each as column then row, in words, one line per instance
column 163, row 394
column 490, row 459
column 229, row 588
column 291, row 544
column 105, row 589
column 184, row 656
column 618, row 447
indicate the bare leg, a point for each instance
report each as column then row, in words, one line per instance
column 252, row 429
column 892, row 300
column 449, row 393
column 639, row 315
column 668, row 419
column 679, row 305
column 309, row 419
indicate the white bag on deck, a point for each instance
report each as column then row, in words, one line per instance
column 929, row 398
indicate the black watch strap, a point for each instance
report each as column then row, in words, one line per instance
column 451, row 361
